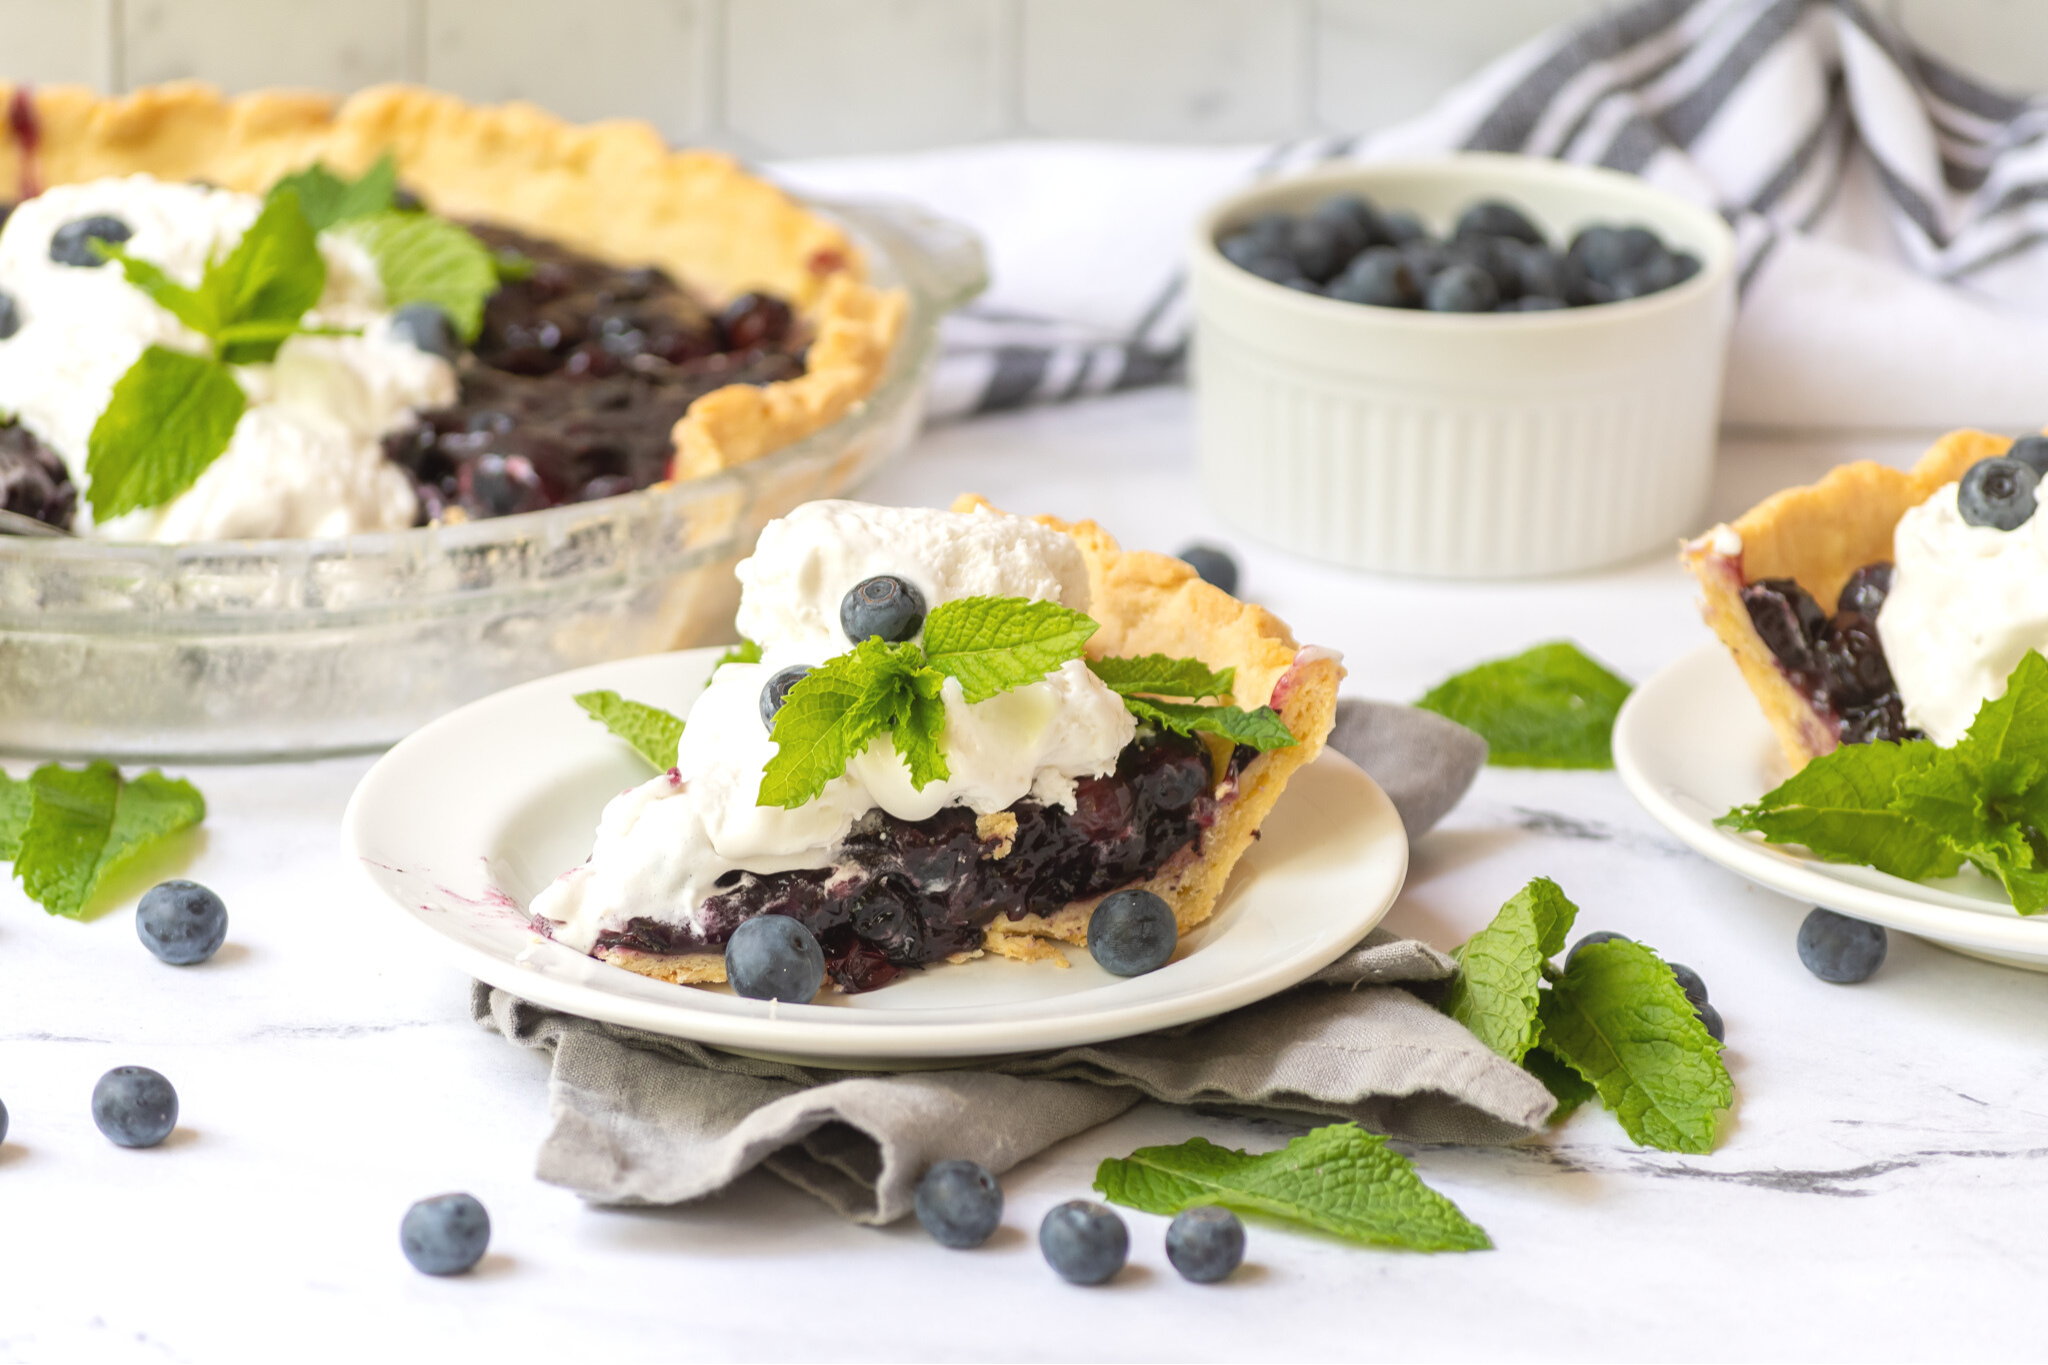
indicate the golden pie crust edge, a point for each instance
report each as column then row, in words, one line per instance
column 1817, row 535
column 1148, row 603
column 612, row 189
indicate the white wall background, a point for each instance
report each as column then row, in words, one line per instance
column 809, row 77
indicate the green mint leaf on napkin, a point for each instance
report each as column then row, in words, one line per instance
column 1567, row 1086
column 326, row 199
column 1163, row 677
column 1260, row 728
column 169, row 418
column 1500, row 968
column 745, row 652
column 15, row 800
column 85, row 824
column 424, row 259
column 1337, row 1179
column 1840, row 806
column 835, row 710
column 1549, row 707
column 1618, row 1016
column 995, row 644
column 649, row 729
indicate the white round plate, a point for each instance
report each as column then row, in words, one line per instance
column 1690, row 743
column 462, row 824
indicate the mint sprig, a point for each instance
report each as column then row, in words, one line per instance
column 994, row 644
column 1501, row 968
column 326, row 198
column 1337, row 1179
column 67, row 830
column 424, row 259
column 1163, row 677
column 1548, row 707
column 833, row 712
column 1145, row 681
column 651, row 731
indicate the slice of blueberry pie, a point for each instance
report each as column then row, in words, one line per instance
column 955, row 732
column 1937, row 578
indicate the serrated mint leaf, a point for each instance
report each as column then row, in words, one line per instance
column 1618, row 1017
column 326, row 199
column 830, row 716
column 192, row 307
column 2015, row 724
column 150, row 809
column 918, row 731
column 85, row 824
column 1337, row 1179
column 424, row 259
column 1983, row 811
column 1500, row 968
column 1261, row 728
column 745, row 652
column 1840, row 807
column 995, row 644
column 1565, row 1085
column 649, row 729
column 1163, row 677
column 1549, row 707
column 274, row 274
column 169, row 418
column 14, row 808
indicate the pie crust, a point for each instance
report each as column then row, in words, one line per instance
column 613, row 190
column 1148, row 603
column 1817, row 535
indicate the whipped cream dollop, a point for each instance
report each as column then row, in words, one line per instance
column 1966, row 604
column 662, row 847
column 305, row 459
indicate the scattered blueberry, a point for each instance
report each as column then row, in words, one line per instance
column 1494, row 218
column 1998, row 493
column 181, row 922
column 1212, row 565
column 1689, row 982
column 1083, row 1241
column 1866, row 590
column 885, row 606
column 10, row 315
column 1205, row 1244
column 1711, row 1017
column 134, row 1106
column 2031, row 451
column 1132, row 932
column 72, row 243
column 1840, row 949
column 445, row 1235
column 1597, row 936
column 959, row 1203
column 1461, row 288
column 775, row 691
column 773, row 957
column 428, row 329
column 1380, row 275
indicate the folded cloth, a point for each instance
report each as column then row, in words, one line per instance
column 1423, row 761
column 1891, row 222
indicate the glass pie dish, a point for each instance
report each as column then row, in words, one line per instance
column 237, row 650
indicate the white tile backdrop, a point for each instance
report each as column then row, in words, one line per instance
column 808, row 77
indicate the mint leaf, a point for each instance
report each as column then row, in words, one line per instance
column 745, row 652
column 169, row 418
column 1163, row 677
column 274, row 274
column 1840, row 806
column 193, row 307
column 15, row 800
column 649, row 729
column 831, row 715
column 1549, row 707
column 1337, row 1179
column 149, row 809
column 2014, row 725
column 1982, row 811
column 424, row 259
column 1262, row 728
column 1565, row 1085
column 1618, row 1017
column 326, row 199
column 994, row 644
column 1500, row 968
column 85, row 824
column 917, row 731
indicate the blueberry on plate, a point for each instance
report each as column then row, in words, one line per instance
column 181, row 922
column 1867, row 588
column 1689, row 982
column 2031, row 451
column 1380, row 275
column 773, row 957
column 134, row 1106
column 959, row 1203
column 10, row 315
column 445, row 1235
column 1998, row 493
column 775, row 691
column 1496, row 218
column 1211, row 564
column 1132, row 932
column 1084, row 1242
column 1597, row 936
column 1840, row 949
column 72, row 243
column 1205, row 1244
column 884, row 606
column 427, row 328
column 1461, row 288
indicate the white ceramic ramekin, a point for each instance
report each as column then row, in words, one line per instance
column 1491, row 445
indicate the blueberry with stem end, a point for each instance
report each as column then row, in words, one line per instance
column 181, row 922
column 1461, row 287
column 959, row 1203
column 1597, row 936
column 775, row 692
column 1998, row 493
column 1132, row 932
column 1205, row 1244
column 773, row 957
column 1689, row 982
column 72, row 243
column 445, row 1235
column 427, row 329
column 2031, row 451
column 134, row 1106
column 1084, row 1242
column 1839, row 949
column 1211, row 564
column 884, row 606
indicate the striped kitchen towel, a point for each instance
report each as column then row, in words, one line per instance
column 1890, row 213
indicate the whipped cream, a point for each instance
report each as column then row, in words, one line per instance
column 1966, row 604
column 305, row 460
column 662, row 846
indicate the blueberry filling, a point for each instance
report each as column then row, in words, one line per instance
column 906, row 893
column 1837, row 663
column 33, row 481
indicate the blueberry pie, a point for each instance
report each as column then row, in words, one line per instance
column 956, row 732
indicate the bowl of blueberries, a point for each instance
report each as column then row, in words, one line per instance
column 1474, row 366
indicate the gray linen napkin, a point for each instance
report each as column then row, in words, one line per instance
column 1423, row 762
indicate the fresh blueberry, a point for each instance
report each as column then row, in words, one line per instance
column 1998, row 493
column 1840, row 949
column 1604, row 252
column 1242, row 248
column 1497, row 256
column 1212, row 565
column 1085, row 1242
column 1533, row 303
column 1401, row 227
column 181, row 922
column 1323, row 245
column 445, row 1235
column 1426, row 257
column 775, row 691
column 1656, row 273
column 885, row 606
column 1711, row 1017
column 1273, row 230
column 10, row 315
column 428, row 329
column 1597, row 936
column 404, row 200
column 1273, row 266
column 1132, row 932
column 3, row 1123
column 1302, row 283
column 773, row 957
column 1684, row 265
column 1462, row 288
column 959, row 1203
column 72, row 243
column 1689, row 982
column 1867, row 588
column 1205, row 1244
column 2031, row 451
column 1495, row 218
column 1380, row 275
column 1359, row 212
column 1538, row 269
column 134, row 1106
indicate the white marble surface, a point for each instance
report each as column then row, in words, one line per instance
column 1877, row 1193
